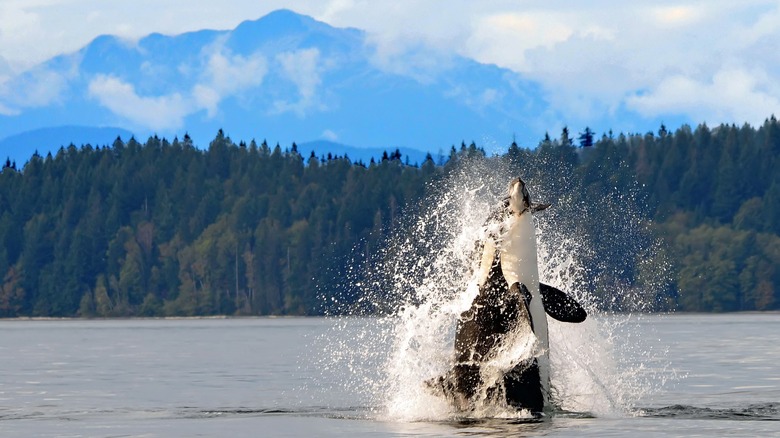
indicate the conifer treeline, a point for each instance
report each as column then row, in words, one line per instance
column 714, row 197
column 169, row 229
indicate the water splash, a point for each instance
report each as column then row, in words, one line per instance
column 422, row 280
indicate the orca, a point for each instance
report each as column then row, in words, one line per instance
column 511, row 300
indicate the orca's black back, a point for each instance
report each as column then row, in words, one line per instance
column 522, row 388
column 494, row 313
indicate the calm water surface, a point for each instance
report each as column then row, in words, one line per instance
column 264, row 377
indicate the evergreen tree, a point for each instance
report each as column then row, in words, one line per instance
column 586, row 138
column 165, row 228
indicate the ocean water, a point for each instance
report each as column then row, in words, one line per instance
column 613, row 375
column 669, row 375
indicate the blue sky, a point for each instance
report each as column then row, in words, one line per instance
column 716, row 61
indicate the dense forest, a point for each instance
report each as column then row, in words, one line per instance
column 168, row 229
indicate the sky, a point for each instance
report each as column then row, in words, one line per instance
column 715, row 60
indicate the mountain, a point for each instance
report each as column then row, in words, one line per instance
column 20, row 147
column 322, row 148
column 49, row 140
column 285, row 77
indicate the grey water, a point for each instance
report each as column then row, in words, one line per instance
column 711, row 375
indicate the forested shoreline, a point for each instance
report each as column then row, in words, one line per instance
column 168, row 229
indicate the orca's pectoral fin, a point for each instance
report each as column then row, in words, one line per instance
column 519, row 289
column 560, row 305
column 539, row 207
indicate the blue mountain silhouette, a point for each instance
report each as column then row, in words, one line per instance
column 285, row 77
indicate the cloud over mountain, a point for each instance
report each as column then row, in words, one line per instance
column 285, row 77
column 478, row 73
column 156, row 113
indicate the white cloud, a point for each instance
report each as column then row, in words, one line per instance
column 303, row 68
column 32, row 31
column 334, row 8
column 157, row 113
column 765, row 25
column 41, row 88
column 504, row 38
column 478, row 101
column 8, row 111
column 488, row 97
column 206, row 97
column 677, row 15
column 732, row 95
column 17, row 25
column 5, row 77
column 5, row 70
column 223, row 75
column 590, row 58
column 36, row 88
column 226, row 75
column 420, row 63
column 329, row 135
column 414, row 38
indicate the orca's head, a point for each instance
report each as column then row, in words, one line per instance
column 520, row 198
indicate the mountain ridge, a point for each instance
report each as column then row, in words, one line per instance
column 285, row 77
column 49, row 141
column 16, row 148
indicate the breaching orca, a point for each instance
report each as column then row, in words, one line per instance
column 510, row 300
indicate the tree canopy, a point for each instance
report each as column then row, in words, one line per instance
column 165, row 228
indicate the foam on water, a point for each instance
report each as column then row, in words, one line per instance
column 423, row 277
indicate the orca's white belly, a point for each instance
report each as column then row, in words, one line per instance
column 519, row 264
column 518, row 253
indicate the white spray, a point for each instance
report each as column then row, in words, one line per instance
column 428, row 265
